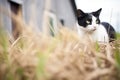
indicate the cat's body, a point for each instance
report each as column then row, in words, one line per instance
column 89, row 25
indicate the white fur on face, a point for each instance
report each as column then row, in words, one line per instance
column 92, row 27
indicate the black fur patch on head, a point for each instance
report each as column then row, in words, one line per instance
column 83, row 17
column 97, row 13
column 82, row 20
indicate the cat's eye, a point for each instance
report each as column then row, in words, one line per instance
column 88, row 22
column 97, row 21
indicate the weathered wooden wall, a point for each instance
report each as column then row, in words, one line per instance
column 32, row 11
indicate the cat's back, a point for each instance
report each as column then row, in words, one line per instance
column 110, row 30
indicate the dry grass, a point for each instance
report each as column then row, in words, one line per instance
column 35, row 56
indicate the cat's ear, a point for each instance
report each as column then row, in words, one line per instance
column 97, row 13
column 80, row 13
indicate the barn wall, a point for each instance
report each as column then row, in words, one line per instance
column 6, row 21
column 64, row 11
column 32, row 11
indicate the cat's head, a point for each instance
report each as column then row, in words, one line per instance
column 88, row 21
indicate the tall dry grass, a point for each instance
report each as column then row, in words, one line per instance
column 35, row 56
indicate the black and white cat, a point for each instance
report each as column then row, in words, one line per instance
column 89, row 24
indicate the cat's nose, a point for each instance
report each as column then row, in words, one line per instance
column 94, row 28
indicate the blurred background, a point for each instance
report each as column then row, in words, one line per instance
column 39, row 13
